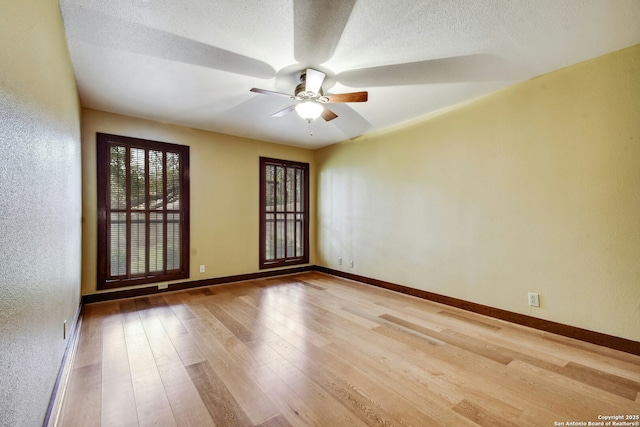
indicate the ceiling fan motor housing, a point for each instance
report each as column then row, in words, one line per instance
column 301, row 93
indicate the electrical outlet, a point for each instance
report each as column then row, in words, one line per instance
column 351, row 264
column 339, row 260
column 534, row 299
column 202, row 268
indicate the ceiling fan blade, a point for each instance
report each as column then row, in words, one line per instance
column 119, row 34
column 348, row 97
column 282, row 112
column 270, row 92
column 318, row 26
column 467, row 68
column 328, row 115
column 352, row 124
column 313, row 80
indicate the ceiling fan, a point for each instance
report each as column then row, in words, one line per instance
column 318, row 27
column 310, row 97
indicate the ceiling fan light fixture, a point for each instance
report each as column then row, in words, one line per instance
column 309, row 110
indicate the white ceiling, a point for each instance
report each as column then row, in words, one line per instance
column 192, row 62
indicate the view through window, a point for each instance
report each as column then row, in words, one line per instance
column 284, row 213
column 143, row 211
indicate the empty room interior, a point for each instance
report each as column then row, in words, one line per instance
column 331, row 213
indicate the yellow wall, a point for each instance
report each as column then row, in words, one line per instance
column 533, row 188
column 40, row 206
column 224, row 193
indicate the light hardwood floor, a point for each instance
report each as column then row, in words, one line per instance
column 313, row 349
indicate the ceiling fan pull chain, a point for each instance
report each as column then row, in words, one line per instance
column 310, row 130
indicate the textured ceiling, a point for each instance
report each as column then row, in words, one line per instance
column 193, row 62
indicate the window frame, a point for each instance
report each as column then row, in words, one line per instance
column 104, row 278
column 264, row 263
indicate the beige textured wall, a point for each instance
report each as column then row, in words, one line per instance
column 40, row 206
column 533, row 188
column 224, row 193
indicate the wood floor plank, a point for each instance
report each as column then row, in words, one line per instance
column 228, row 357
column 329, row 302
column 599, row 379
column 481, row 416
column 289, row 399
column 180, row 338
column 468, row 319
column 359, row 344
column 371, row 412
column 431, row 394
column 487, row 350
column 414, row 329
column 533, row 347
column 276, row 315
column 89, row 350
column 187, row 406
column 314, row 350
column 83, row 399
column 522, row 389
column 391, row 400
column 221, row 404
column 602, row 380
column 605, row 359
column 323, row 408
column 452, row 374
column 152, row 404
column 230, row 323
column 587, row 395
column 254, row 317
column 275, row 421
column 178, row 302
column 118, row 402
column 85, row 379
column 291, row 405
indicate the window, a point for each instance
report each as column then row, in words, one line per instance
column 284, row 213
column 143, row 211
